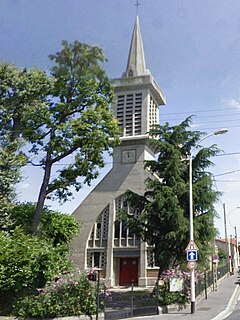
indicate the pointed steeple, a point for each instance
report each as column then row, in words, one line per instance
column 136, row 59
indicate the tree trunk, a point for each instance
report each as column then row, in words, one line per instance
column 42, row 197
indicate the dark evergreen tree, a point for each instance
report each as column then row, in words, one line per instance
column 164, row 219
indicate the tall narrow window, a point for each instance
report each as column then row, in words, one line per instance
column 123, row 235
column 152, row 113
column 129, row 114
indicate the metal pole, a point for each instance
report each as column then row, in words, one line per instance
column 231, row 253
column 228, row 252
column 98, row 287
column 192, row 271
column 237, row 251
column 132, row 299
column 205, row 283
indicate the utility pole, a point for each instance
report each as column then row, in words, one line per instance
column 236, row 236
column 227, row 242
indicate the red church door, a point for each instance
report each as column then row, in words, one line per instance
column 128, row 271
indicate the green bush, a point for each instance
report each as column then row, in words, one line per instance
column 165, row 297
column 27, row 261
column 55, row 226
column 69, row 295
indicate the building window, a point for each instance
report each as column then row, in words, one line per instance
column 96, row 259
column 117, row 229
column 129, row 114
column 150, row 258
column 152, row 113
column 123, row 235
column 99, row 233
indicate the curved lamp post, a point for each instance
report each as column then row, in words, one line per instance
column 192, row 271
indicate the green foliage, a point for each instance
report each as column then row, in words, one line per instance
column 64, row 115
column 60, row 228
column 166, row 297
column 68, row 295
column 22, row 99
column 28, row 261
column 164, row 219
column 79, row 120
column 222, row 256
column 181, row 297
column 11, row 162
column 56, row 227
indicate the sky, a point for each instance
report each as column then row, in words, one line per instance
column 192, row 48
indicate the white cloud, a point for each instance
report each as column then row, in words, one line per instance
column 194, row 126
column 24, row 185
column 234, row 103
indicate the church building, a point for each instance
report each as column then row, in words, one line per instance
column 105, row 241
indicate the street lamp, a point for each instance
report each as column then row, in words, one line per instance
column 192, row 271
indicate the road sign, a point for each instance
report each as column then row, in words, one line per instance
column 191, row 255
column 191, row 246
column 192, row 264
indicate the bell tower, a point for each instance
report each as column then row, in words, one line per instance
column 105, row 241
column 138, row 95
column 138, row 98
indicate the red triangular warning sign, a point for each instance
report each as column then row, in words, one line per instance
column 191, row 246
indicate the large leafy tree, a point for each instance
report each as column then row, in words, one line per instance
column 64, row 117
column 22, row 96
column 164, row 219
column 78, row 125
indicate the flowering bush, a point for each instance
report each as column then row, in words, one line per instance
column 68, row 295
column 182, row 296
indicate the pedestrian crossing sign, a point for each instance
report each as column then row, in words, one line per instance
column 191, row 246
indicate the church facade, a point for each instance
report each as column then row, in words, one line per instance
column 105, row 240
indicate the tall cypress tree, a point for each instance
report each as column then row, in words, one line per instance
column 164, row 219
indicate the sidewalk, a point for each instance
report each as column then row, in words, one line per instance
column 217, row 306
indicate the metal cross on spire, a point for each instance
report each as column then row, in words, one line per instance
column 137, row 4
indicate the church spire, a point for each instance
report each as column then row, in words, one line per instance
column 136, row 59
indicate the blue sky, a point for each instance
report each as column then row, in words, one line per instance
column 191, row 47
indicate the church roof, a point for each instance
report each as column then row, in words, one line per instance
column 136, row 65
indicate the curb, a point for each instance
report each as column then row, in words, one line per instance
column 231, row 305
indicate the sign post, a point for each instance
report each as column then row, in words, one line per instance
column 192, row 258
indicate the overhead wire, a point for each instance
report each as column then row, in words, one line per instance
column 206, row 110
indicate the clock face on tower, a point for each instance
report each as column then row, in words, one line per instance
column 128, row 156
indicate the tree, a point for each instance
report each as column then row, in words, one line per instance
column 64, row 116
column 78, row 126
column 10, row 164
column 57, row 228
column 164, row 219
column 22, row 98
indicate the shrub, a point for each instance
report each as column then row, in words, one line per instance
column 68, row 295
column 27, row 261
column 177, row 297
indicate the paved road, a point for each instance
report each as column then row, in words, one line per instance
column 235, row 315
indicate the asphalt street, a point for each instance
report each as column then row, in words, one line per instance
column 235, row 315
